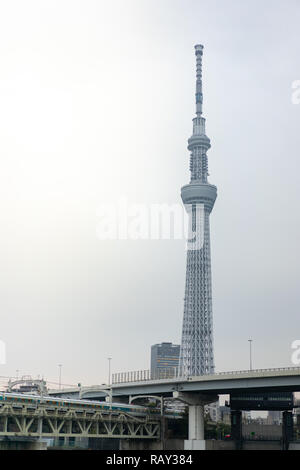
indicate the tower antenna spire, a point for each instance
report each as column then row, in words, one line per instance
column 199, row 95
column 196, row 351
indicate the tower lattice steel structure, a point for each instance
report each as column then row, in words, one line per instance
column 196, row 353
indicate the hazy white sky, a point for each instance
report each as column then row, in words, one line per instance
column 96, row 103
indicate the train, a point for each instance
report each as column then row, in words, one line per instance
column 18, row 400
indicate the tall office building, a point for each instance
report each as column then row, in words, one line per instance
column 196, row 354
column 164, row 359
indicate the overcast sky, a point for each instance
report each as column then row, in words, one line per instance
column 96, row 103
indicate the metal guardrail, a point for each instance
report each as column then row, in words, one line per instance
column 175, row 373
column 271, row 438
column 144, row 375
column 253, row 371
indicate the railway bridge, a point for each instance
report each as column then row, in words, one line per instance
column 57, row 420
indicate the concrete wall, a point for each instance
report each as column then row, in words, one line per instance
column 143, row 444
column 172, row 444
column 294, row 446
column 135, row 444
column 267, row 430
column 219, row 445
column 262, row 445
column 22, row 445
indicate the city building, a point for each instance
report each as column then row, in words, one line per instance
column 212, row 411
column 196, row 354
column 164, row 359
column 275, row 417
column 246, row 416
column 225, row 414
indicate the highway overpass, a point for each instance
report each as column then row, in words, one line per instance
column 222, row 383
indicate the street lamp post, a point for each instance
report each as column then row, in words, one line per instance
column 250, row 345
column 60, row 366
column 109, row 359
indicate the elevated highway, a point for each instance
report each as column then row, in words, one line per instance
column 222, row 383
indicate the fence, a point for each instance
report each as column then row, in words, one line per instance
column 144, row 375
column 176, row 372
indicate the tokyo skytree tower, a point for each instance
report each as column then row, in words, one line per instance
column 196, row 353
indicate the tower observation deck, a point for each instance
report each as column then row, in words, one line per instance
column 196, row 352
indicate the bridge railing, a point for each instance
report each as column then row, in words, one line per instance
column 145, row 375
column 176, row 372
column 254, row 371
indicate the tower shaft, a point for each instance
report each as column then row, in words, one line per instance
column 196, row 353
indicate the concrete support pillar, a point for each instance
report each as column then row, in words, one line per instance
column 287, row 429
column 196, row 422
column 196, row 404
column 236, row 428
